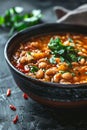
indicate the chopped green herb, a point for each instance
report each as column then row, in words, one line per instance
column 66, row 53
column 52, row 60
column 73, row 57
column 29, row 53
column 62, row 72
column 62, row 59
column 70, row 39
column 73, row 74
column 33, row 69
column 80, row 57
column 15, row 19
column 85, row 72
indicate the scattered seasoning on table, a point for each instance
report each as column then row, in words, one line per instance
column 8, row 92
column 15, row 119
column 12, row 107
column 25, row 96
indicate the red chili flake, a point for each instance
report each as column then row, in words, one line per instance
column 12, row 107
column 22, row 69
column 25, row 96
column 8, row 92
column 15, row 119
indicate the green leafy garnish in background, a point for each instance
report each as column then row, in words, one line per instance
column 15, row 19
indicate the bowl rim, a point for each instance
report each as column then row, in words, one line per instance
column 51, row 84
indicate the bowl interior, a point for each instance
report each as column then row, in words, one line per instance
column 42, row 29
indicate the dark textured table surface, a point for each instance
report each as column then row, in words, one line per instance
column 33, row 116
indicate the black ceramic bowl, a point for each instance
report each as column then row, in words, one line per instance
column 52, row 94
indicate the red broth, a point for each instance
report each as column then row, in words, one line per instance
column 59, row 58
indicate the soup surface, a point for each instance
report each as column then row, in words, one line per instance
column 59, row 58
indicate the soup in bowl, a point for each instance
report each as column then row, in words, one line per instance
column 58, row 58
column 49, row 63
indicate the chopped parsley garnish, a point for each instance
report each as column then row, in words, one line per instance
column 66, row 53
column 29, row 53
column 80, row 57
column 62, row 59
column 52, row 60
column 70, row 40
column 33, row 69
column 73, row 74
column 62, row 72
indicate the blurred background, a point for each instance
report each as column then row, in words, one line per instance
column 33, row 116
column 45, row 5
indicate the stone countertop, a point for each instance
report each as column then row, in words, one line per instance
column 34, row 116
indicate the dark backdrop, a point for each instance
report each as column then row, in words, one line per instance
column 33, row 116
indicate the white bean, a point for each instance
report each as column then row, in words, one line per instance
column 67, row 75
column 42, row 65
column 51, row 71
column 56, row 77
column 39, row 74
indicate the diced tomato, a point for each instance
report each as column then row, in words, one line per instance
column 19, row 66
column 24, row 71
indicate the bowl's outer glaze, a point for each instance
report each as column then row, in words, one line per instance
column 52, row 94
